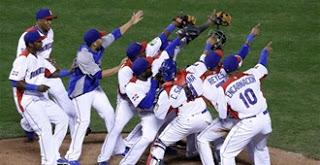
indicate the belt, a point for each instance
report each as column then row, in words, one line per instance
column 264, row 112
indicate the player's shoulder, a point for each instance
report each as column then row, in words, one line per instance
column 31, row 29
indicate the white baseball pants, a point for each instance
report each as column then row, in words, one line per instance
column 40, row 113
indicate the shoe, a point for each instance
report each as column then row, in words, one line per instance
column 74, row 162
column 62, row 161
column 88, row 131
column 31, row 136
column 126, row 150
column 103, row 163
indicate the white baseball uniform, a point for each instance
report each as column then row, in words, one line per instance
column 37, row 109
column 192, row 117
column 57, row 89
column 85, row 91
column 136, row 91
column 243, row 94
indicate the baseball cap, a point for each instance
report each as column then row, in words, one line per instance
column 33, row 36
column 93, row 35
column 139, row 66
column 45, row 13
column 231, row 63
column 212, row 60
column 135, row 48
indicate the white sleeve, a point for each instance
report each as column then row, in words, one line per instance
column 124, row 76
column 48, row 65
column 202, row 57
column 86, row 63
column 162, row 106
column 156, row 64
column 21, row 44
column 153, row 47
column 19, row 69
column 258, row 71
column 107, row 40
column 221, row 104
column 135, row 95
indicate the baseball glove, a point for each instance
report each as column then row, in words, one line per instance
column 184, row 20
column 188, row 33
column 221, row 18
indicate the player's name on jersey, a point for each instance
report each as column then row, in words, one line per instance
column 231, row 90
column 37, row 72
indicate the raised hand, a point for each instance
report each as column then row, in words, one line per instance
column 255, row 30
column 137, row 17
column 268, row 46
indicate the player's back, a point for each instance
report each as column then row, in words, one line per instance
column 244, row 95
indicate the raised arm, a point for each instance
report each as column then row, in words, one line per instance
column 135, row 18
column 245, row 48
column 263, row 60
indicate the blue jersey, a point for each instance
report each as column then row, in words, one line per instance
column 88, row 71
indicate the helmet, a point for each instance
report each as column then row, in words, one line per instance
column 168, row 69
column 220, row 36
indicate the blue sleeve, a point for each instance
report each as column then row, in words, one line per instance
column 208, row 47
column 244, row 50
column 264, row 57
column 172, row 46
column 116, row 33
column 163, row 36
column 27, row 86
column 147, row 101
column 98, row 75
column 64, row 73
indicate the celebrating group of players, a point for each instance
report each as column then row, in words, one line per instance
column 171, row 103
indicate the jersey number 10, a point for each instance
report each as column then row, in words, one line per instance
column 248, row 97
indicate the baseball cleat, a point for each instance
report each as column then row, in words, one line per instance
column 103, row 163
column 74, row 162
column 62, row 161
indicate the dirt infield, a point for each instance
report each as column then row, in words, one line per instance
column 18, row 151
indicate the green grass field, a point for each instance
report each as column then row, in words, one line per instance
column 292, row 87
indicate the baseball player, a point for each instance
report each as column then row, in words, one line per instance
column 242, row 93
column 193, row 115
column 44, row 19
column 84, row 85
column 125, row 109
column 28, row 75
column 217, row 128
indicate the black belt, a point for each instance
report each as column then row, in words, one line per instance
column 264, row 112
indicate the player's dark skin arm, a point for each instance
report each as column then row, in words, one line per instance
column 21, row 85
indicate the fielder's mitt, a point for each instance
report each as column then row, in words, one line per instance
column 188, row 33
column 221, row 18
column 184, row 20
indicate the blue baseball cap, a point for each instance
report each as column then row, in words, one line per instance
column 32, row 37
column 134, row 49
column 93, row 35
column 212, row 60
column 45, row 13
column 139, row 66
column 231, row 63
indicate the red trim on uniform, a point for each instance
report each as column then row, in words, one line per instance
column 210, row 72
column 150, row 60
column 181, row 77
column 19, row 97
column 47, row 73
column 143, row 46
column 167, row 86
column 233, row 77
column 128, row 63
column 133, row 79
column 25, row 53
column 231, row 113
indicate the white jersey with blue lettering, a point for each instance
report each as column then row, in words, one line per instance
column 243, row 93
column 47, row 43
column 32, row 70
